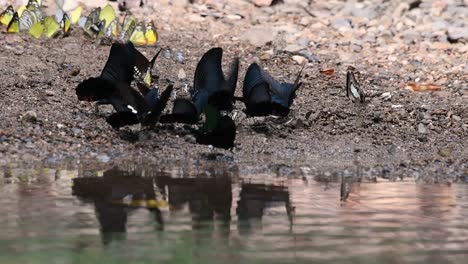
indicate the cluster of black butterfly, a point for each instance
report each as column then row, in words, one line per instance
column 212, row 94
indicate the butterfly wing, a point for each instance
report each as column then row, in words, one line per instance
column 76, row 14
column 127, row 31
column 256, row 92
column 150, row 34
column 138, row 36
column 14, row 25
column 108, row 14
column 27, row 19
column 35, row 8
column 222, row 136
column 120, row 64
column 51, row 27
column 121, row 119
column 353, row 89
column 65, row 23
column 36, row 30
column 7, row 15
column 158, row 107
column 208, row 73
column 91, row 26
column 149, row 67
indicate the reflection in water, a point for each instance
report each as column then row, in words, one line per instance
column 136, row 217
column 255, row 198
column 110, row 193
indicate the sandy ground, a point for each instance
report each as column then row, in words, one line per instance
column 399, row 133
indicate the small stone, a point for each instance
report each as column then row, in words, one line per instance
column 179, row 57
column 190, row 139
column 103, row 158
column 76, row 131
column 341, row 24
column 299, row 59
column 445, row 152
column 422, row 128
column 356, row 48
column 30, row 116
column 456, row 118
column 386, row 96
column 234, row 17
column 456, row 34
column 75, row 71
column 181, row 75
column 49, row 93
column 263, row 2
column 167, row 54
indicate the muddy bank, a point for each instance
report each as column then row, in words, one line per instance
column 399, row 133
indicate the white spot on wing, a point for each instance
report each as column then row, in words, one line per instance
column 354, row 91
column 132, row 109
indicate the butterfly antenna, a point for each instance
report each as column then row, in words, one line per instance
column 297, row 82
column 154, row 58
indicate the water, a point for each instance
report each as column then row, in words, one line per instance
column 175, row 216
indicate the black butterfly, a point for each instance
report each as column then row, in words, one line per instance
column 113, row 87
column 353, row 89
column 222, row 136
column 264, row 95
column 210, row 87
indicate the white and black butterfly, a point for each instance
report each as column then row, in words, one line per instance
column 353, row 89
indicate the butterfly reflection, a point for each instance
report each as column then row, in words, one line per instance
column 208, row 199
column 115, row 195
column 255, row 198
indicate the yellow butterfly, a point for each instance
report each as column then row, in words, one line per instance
column 76, row 14
column 150, row 34
column 129, row 19
column 36, row 30
column 138, row 36
column 107, row 14
column 7, row 15
column 51, row 27
column 127, row 30
column 35, row 8
column 14, row 25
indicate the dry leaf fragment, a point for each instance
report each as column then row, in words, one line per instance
column 328, row 72
column 423, row 87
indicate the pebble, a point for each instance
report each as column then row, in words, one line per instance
column 181, row 75
column 341, row 24
column 76, row 131
column 30, row 116
column 445, row 152
column 103, row 158
column 422, row 128
column 50, row 93
column 386, row 96
column 179, row 57
column 456, row 34
column 190, row 139
column 299, row 59
column 167, row 54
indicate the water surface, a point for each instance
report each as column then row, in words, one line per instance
column 116, row 216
